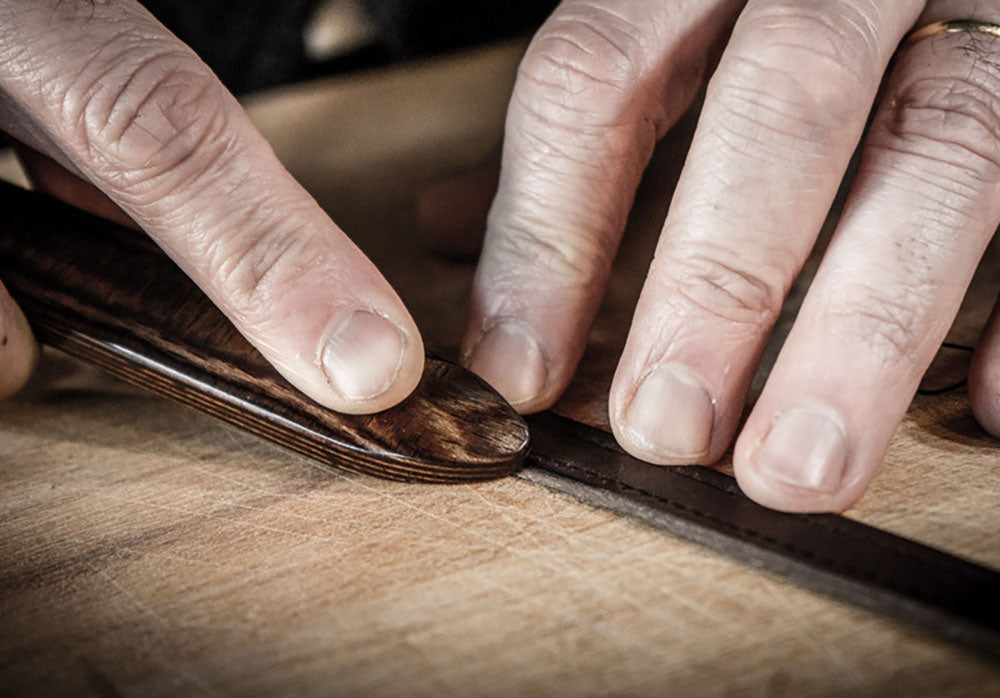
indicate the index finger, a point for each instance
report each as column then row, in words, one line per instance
column 106, row 90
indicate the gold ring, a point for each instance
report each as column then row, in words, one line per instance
column 954, row 26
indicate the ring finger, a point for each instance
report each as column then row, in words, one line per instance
column 924, row 204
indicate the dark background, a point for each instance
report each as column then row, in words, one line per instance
column 258, row 43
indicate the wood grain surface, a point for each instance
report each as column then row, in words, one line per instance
column 147, row 550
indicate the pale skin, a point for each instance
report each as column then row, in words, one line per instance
column 100, row 90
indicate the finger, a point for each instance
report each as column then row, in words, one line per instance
column 597, row 87
column 984, row 376
column 109, row 93
column 924, row 204
column 782, row 115
column 18, row 350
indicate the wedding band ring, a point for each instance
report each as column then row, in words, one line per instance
column 954, row 26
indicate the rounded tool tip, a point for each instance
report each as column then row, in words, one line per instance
column 453, row 428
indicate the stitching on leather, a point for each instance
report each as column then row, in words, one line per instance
column 824, row 524
column 829, row 562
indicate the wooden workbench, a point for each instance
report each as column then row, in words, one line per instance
column 145, row 550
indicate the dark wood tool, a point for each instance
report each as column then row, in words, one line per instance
column 109, row 296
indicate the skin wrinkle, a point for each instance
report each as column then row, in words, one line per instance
column 891, row 330
column 558, row 115
column 150, row 192
column 826, row 102
column 197, row 119
column 573, row 78
column 811, row 28
column 748, row 288
column 538, row 152
column 626, row 43
column 124, row 111
column 535, row 211
column 965, row 120
column 616, row 31
column 758, row 99
column 126, row 40
column 909, row 161
column 96, row 72
column 569, row 261
column 589, row 101
column 29, row 83
column 104, row 153
column 742, row 140
column 250, row 269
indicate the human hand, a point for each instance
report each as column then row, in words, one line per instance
column 127, row 119
column 785, row 109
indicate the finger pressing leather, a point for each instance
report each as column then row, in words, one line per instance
column 923, row 206
column 782, row 116
column 599, row 84
column 107, row 92
column 18, row 350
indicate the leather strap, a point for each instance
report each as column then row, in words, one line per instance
column 845, row 559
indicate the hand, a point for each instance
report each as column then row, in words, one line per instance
column 103, row 92
column 785, row 109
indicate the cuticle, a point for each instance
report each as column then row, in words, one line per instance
column 520, row 326
column 343, row 317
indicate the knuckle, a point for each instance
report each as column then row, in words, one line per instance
column 582, row 65
column 722, row 286
column 962, row 115
column 806, row 64
column 842, row 36
column 892, row 324
column 569, row 260
column 150, row 123
column 250, row 271
column 768, row 102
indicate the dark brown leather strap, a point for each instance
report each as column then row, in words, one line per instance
column 848, row 560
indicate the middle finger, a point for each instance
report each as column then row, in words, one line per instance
column 782, row 116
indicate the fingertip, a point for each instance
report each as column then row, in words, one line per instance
column 509, row 356
column 984, row 377
column 984, row 398
column 799, row 460
column 667, row 418
column 18, row 350
column 370, row 362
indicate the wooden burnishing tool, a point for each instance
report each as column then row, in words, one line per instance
column 108, row 295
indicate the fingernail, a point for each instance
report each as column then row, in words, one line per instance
column 509, row 358
column 363, row 355
column 672, row 414
column 804, row 448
